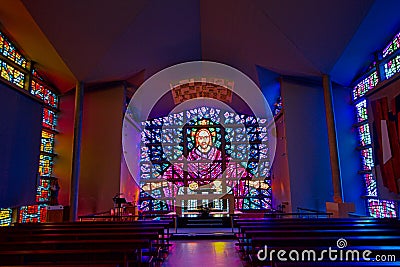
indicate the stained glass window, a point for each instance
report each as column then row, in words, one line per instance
column 364, row 135
column 43, row 190
column 17, row 75
column 382, row 208
column 361, row 108
column 392, row 46
column 33, row 213
column 392, row 67
column 47, row 142
column 367, row 159
column 239, row 151
column 45, row 165
column 12, row 75
column 365, row 85
column 44, row 93
column 9, row 51
column 370, row 183
column 5, row 216
column 49, row 119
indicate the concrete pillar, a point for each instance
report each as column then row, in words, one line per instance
column 76, row 152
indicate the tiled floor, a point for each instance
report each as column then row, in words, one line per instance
column 203, row 253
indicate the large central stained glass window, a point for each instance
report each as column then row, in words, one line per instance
column 197, row 156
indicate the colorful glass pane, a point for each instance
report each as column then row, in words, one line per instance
column 1, row 43
column 392, row 46
column 45, row 165
column 7, row 72
column 49, row 119
column 43, row 190
column 370, row 184
column 361, row 109
column 367, row 159
column 364, row 135
column 47, row 142
column 392, row 67
column 8, row 50
column 19, row 78
column 32, row 214
column 365, row 85
column 44, row 93
column 5, row 216
column 166, row 149
column 382, row 208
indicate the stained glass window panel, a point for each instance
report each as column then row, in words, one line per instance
column 392, row 67
column 7, row 72
column 367, row 159
column 47, row 142
column 43, row 190
column 44, row 93
column 49, row 119
column 163, row 157
column 382, row 208
column 33, row 213
column 8, row 50
column 370, row 184
column 365, row 85
column 5, row 216
column 393, row 46
column 361, row 109
column 364, row 135
column 45, row 165
column 19, row 78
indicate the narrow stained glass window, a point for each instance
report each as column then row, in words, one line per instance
column 33, row 213
column 49, row 119
column 362, row 111
column 364, row 135
column 47, row 142
column 392, row 67
column 5, row 216
column 365, row 85
column 45, row 165
column 8, row 50
column 392, row 46
column 382, row 208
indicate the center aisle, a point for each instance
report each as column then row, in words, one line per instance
column 203, row 253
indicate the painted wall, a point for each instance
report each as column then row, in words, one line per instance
column 307, row 145
column 353, row 186
column 100, row 152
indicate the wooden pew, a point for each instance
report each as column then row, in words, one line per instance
column 32, row 237
column 53, row 252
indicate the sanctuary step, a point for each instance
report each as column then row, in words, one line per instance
column 200, row 222
column 203, row 234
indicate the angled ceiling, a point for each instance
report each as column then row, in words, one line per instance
column 100, row 41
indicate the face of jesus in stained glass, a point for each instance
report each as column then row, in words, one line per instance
column 203, row 140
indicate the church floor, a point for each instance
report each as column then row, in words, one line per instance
column 203, row 253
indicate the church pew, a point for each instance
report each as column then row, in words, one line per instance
column 42, row 252
column 40, row 232
column 381, row 229
column 167, row 224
